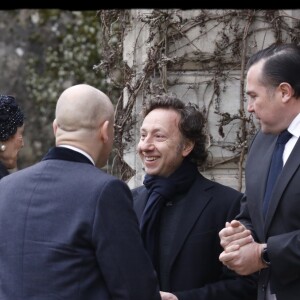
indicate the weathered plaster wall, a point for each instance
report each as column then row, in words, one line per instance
column 191, row 80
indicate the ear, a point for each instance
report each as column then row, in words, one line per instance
column 104, row 130
column 286, row 91
column 54, row 126
column 187, row 148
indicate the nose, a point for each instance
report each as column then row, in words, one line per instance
column 250, row 107
column 146, row 145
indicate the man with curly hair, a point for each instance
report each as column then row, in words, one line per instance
column 180, row 211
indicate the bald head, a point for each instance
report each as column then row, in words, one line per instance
column 82, row 107
column 84, row 118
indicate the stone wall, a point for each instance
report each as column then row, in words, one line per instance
column 44, row 51
column 196, row 44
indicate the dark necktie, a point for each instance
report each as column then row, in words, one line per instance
column 275, row 167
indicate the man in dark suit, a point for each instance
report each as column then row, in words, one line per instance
column 68, row 230
column 273, row 88
column 181, row 211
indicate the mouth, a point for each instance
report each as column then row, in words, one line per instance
column 150, row 158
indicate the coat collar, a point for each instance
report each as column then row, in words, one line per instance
column 63, row 153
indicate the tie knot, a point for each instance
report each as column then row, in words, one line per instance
column 283, row 137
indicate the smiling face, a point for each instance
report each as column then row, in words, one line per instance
column 161, row 146
column 13, row 145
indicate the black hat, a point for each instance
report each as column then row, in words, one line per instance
column 11, row 117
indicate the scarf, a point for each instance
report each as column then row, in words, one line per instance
column 162, row 190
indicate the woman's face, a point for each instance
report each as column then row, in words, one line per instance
column 13, row 145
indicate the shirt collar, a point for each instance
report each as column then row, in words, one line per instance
column 294, row 127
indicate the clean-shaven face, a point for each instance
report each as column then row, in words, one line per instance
column 264, row 102
column 161, row 143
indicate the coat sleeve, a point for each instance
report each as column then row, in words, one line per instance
column 123, row 262
column 230, row 285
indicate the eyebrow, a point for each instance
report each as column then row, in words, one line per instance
column 250, row 92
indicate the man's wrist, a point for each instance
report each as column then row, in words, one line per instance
column 265, row 257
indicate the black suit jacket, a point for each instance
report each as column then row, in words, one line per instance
column 68, row 231
column 281, row 228
column 195, row 271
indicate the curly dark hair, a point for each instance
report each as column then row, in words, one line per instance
column 191, row 124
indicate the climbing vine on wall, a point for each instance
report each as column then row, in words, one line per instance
column 170, row 30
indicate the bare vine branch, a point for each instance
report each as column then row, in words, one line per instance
column 175, row 47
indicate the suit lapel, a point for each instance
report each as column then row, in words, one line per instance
column 289, row 169
column 257, row 173
column 193, row 208
column 265, row 166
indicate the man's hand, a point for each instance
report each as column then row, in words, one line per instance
column 245, row 259
column 235, row 233
column 241, row 253
column 167, row 296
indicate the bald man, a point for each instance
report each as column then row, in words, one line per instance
column 68, row 230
